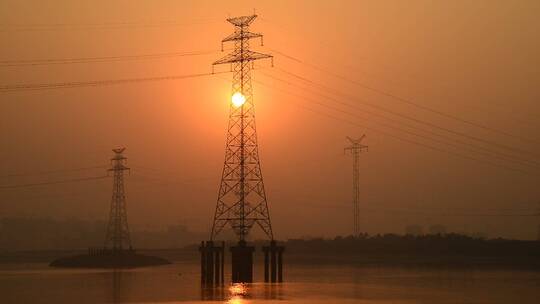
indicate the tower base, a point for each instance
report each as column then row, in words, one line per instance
column 212, row 261
column 242, row 263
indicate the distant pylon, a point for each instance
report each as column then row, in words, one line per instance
column 117, row 231
column 241, row 199
column 355, row 149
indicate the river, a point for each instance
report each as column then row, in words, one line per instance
column 179, row 283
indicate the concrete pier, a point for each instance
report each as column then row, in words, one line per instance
column 242, row 263
column 212, row 262
column 273, row 262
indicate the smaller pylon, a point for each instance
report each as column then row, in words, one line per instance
column 118, row 238
column 355, row 149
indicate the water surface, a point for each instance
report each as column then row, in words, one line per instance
column 179, row 283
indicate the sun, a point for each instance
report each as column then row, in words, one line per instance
column 238, row 99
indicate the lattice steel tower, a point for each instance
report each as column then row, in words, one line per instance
column 355, row 149
column 117, row 231
column 241, row 199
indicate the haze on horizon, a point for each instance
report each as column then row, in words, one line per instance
column 476, row 60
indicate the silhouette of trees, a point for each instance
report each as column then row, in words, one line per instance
column 450, row 244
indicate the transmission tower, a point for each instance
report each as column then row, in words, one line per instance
column 241, row 199
column 355, row 149
column 117, row 231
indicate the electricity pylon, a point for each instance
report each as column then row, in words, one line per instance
column 117, row 231
column 355, row 149
column 241, row 199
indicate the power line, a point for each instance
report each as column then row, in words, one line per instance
column 169, row 180
column 52, row 171
column 74, row 180
column 99, row 26
column 431, row 125
column 51, row 196
column 160, row 174
column 477, row 149
column 473, row 148
column 404, row 100
column 286, row 30
column 408, row 117
column 36, row 62
column 64, row 85
column 410, row 141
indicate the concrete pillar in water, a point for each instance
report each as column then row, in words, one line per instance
column 202, row 250
column 217, row 274
column 242, row 263
column 212, row 258
column 280, row 264
column 222, row 264
column 209, row 263
column 266, row 261
column 273, row 262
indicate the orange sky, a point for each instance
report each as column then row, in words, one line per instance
column 476, row 60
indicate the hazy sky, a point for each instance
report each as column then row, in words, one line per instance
column 476, row 61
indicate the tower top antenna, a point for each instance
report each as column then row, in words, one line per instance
column 356, row 141
column 242, row 20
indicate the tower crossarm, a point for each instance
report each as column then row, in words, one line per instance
column 118, row 167
column 244, row 56
column 239, row 35
column 356, row 146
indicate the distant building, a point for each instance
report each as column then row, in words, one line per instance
column 415, row 230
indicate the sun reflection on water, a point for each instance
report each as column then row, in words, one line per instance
column 236, row 300
column 237, row 293
column 238, row 289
